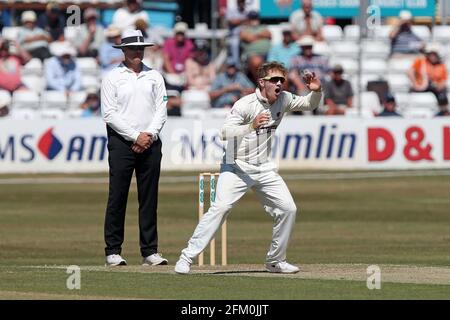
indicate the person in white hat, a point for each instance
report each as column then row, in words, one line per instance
column 109, row 56
column 403, row 40
column 90, row 35
column 429, row 73
column 61, row 71
column 32, row 38
column 177, row 49
column 133, row 106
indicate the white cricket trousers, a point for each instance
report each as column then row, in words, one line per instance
column 232, row 184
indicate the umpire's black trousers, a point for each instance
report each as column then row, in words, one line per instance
column 122, row 162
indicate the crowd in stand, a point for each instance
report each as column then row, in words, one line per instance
column 187, row 64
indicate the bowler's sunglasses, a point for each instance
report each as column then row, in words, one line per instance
column 274, row 79
column 136, row 48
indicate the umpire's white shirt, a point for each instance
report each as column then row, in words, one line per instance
column 133, row 103
column 250, row 148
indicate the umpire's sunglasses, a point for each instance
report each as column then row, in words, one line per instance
column 136, row 48
column 274, row 79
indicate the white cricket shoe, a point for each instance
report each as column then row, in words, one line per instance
column 154, row 260
column 281, row 267
column 115, row 260
column 182, row 267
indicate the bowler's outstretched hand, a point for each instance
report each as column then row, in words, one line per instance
column 312, row 82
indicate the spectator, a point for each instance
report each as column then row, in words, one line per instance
column 285, row 51
column 230, row 86
column 307, row 60
column 429, row 74
column 53, row 21
column 33, row 39
column 390, row 106
column 90, row 35
column 176, row 51
column 403, row 39
column 12, row 57
column 255, row 45
column 125, row 17
column 306, row 22
column 200, row 70
column 235, row 18
column 109, row 56
column 338, row 93
column 61, row 70
column 91, row 106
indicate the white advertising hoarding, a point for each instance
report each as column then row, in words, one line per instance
column 300, row 142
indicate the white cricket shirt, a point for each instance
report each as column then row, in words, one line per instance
column 133, row 103
column 251, row 148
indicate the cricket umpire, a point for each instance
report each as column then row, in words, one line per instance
column 133, row 104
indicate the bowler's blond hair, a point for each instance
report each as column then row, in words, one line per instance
column 264, row 70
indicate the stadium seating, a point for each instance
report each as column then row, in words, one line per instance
column 53, row 100
column 34, row 82
column 400, row 65
column 423, row 32
column 89, row 81
column 24, row 114
column 56, row 114
column 351, row 33
column 374, row 66
column 33, row 67
column 332, row 33
column 88, row 66
column 345, row 49
column 375, row 50
column 370, row 102
column 10, row 33
column 441, row 34
column 398, row 82
column 5, row 97
column 422, row 100
column 195, row 99
column 25, row 99
column 76, row 99
column 322, row 48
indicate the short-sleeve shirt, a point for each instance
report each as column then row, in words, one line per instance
column 338, row 93
column 222, row 80
column 178, row 54
column 436, row 73
column 406, row 42
column 283, row 54
column 83, row 33
column 298, row 23
column 258, row 47
column 25, row 33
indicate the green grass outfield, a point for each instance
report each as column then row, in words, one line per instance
column 347, row 221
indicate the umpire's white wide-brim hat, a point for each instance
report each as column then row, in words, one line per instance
column 133, row 38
